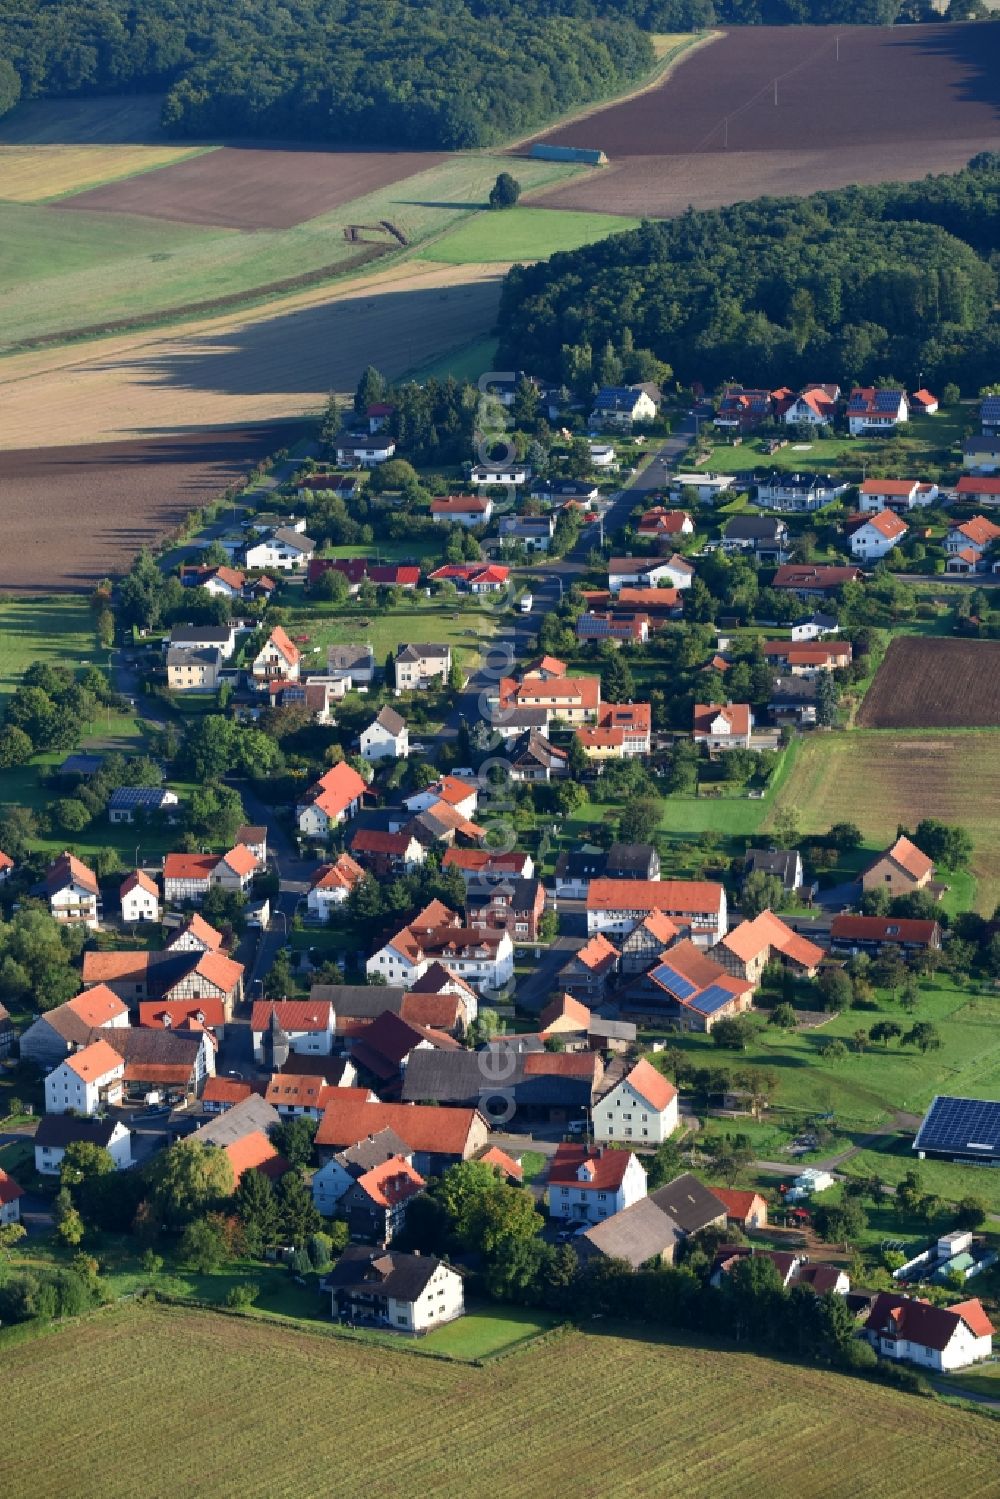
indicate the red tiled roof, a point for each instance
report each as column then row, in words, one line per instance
column 177, row 1073
column 342, row 874
column 69, row 870
column 888, row 524
column 882, row 928
column 295, row 1090
column 153, row 1012
column 6, row 862
column 979, row 530
column 738, row 1204
column 656, row 1089
column 584, row 1064
column 671, row 896
column 796, row 575
column 240, row 860
column 200, row 929
column 736, row 715
column 909, row 857
column 748, row 940
column 919, row 1322
column 138, row 880
column 459, row 504
column 606, row 1168
column 392, row 1182
column 225, row 973
column 597, row 953
column 338, row 788
column 251, row 1152
column 9, row 1189
column 503, row 1162
column 969, row 485
column 565, row 1007
column 97, row 1006
column 438, row 1131
column 189, row 866
column 294, row 1015
column 283, row 645
column 225, row 1090
column 94, row 1061
column 435, row 1011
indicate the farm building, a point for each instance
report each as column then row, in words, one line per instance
column 591, row 157
column 961, row 1130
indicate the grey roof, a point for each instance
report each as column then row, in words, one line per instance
column 373, row 1151
column 982, row 444
column 251, row 832
column 294, row 539
column 81, row 765
column 200, row 635
column 180, row 655
column 468, row 1078
column 359, row 1001
column 689, row 1203
column 391, row 721
column 578, row 864
column 143, row 1046
column 244, row 1118
column 521, row 718
column 628, row 859
column 63, row 1129
column 534, row 746
column 423, row 652
column 138, row 796
column 342, row 657
column 612, row 1030
column 362, row 1271
column 793, row 690
column 822, row 621
column 754, row 528
column 523, row 894
column 65, row 1022
column 638, row 1233
column 578, row 489
column 780, row 861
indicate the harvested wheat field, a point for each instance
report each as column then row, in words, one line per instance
column 250, row 188
column 75, row 514
column 935, row 684
column 31, row 174
column 663, row 1417
column 257, row 365
column 897, row 103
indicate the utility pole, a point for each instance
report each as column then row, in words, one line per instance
column 838, row 49
column 776, row 93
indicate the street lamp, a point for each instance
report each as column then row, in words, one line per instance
column 137, row 848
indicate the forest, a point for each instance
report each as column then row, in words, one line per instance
column 441, row 73
column 894, row 279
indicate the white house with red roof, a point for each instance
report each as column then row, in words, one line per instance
column 331, row 885
column 641, row 1109
column 659, row 522
column 898, row 495
column 934, row 1337
column 278, row 659
column 457, row 792
column 968, row 543
column 10, row 1199
column 877, row 537
column 617, row 906
column 6, row 866
column 140, row 897
column 923, row 401
column 593, row 1183
column 814, row 406
column 473, row 577
column 189, row 877
column 462, row 510
column 334, row 798
column 307, row 1026
column 87, row 1082
column 485, row 959
column 722, row 726
column 73, row 892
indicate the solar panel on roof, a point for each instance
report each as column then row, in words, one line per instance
column 710, row 999
column 674, row 982
column 886, row 400
column 961, row 1124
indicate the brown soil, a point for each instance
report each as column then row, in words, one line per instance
column 935, row 684
column 899, row 103
column 74, row 514
column 251, row 188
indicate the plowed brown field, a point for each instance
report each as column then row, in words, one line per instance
column 249, row 188
column 75, row 514
column 896, row 103
column 935, row 684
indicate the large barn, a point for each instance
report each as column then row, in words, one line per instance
column 964, row 1130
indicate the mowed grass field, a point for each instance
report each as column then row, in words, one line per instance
column 460, row 623
column 523, row 234
column 881, row 779
column 287, row 1415
column 65, row 271
column 57, row 630
column 931, row 441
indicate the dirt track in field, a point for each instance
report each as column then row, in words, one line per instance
column 239, row 187
column 74, row 514
column 935, row 684
column 898, row 103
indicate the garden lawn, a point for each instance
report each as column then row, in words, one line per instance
column 523, row 233
column 928, row 442
column 537, row 1424
column 892, row 1157
column 467, row 362
column 863, row 1089
column 488, row 1330
column 459, row 622
column 59, row 630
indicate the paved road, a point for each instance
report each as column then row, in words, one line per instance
column 534, row 992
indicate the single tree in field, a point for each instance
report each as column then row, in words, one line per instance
column 505, row 191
